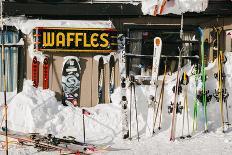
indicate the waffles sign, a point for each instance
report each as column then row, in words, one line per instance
column 75, row 40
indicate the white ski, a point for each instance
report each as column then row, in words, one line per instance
column 154, row 84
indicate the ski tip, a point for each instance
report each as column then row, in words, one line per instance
column 200, row 31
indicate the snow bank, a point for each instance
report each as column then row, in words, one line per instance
column 37, row 110
column 175, row 7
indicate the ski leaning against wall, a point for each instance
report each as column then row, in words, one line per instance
column 154, row 79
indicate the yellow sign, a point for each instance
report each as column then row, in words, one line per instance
column 79, row 40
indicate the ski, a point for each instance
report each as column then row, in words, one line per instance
column 52, row 143
column 195, row 104
column 46, row 73
column 203, row 78
column 124, row 105
column 101, row 83
column 185, row 81
column 154, row 79
column 133, row 100
column 35, row 72
column 221, row 94
column 175, row 106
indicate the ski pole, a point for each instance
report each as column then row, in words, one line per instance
column 136, row 115
column 130, row 105
column 182, row 135
column 83, row 124
column 4, row 79
column 162, row 92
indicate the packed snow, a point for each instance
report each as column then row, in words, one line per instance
column 37, row 110
column 174, row 7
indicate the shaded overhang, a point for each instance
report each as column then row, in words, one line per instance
column 73, row 10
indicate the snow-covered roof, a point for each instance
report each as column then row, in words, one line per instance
column 26, row 25
column 174, row 7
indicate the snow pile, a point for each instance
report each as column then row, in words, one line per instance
column 174, row 7
column 37, row 110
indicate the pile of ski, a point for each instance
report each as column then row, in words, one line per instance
column 221, row 93
column 35, row 72
column 52, row 143
column 176, row 107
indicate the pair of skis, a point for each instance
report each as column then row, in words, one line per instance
column 221, row 93
column 133, row 100
column 52, row 143
column 185, row 81
column 35, row 72
column 159, row 7
column 175, row 105
column 124, row 104
column 154, row 83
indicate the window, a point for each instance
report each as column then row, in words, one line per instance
column 9, row 39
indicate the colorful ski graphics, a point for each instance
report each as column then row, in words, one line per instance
column 35, row 72
column 46, row 73
column 71, row 80
column 154, row 79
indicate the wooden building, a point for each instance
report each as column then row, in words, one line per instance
column 125, row 18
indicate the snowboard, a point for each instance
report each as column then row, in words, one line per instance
column 154, row 79
column 46, row 73
column 71, row 81
column 35, row 72
column 52, row 143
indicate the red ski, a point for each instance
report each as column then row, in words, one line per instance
column 35, row 72
column 46, row 73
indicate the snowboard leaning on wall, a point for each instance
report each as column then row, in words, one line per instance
column 71, row 81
